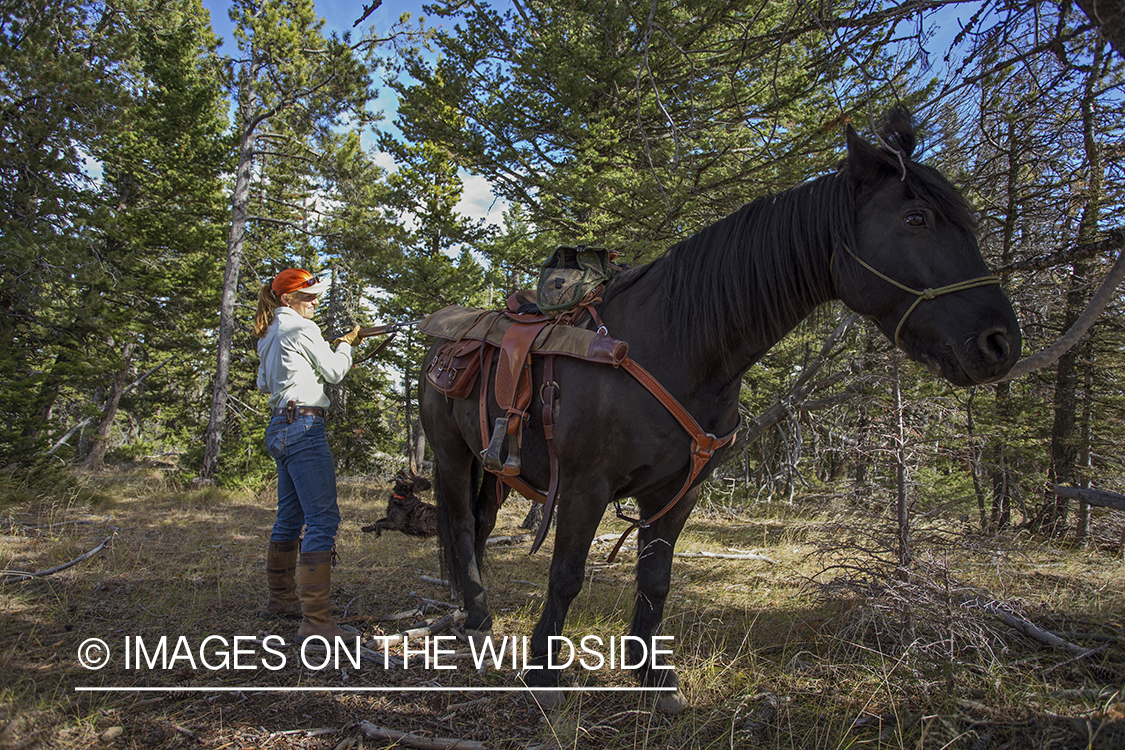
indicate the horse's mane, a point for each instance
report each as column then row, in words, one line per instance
column 761, row 267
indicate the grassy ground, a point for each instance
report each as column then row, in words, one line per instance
column 824, row 647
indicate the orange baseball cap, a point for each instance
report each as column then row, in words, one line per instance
column 297, row 280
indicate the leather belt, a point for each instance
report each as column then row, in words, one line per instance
column 301, row 411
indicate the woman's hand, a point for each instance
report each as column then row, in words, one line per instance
column 352, row 339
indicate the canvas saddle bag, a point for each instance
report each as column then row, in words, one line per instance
column 569, row 275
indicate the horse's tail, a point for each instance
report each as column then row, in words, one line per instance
column 450, row 570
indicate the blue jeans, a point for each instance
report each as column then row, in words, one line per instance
column 306, row 483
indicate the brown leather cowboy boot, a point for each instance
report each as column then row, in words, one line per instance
column 281, row 569
column 315, row 574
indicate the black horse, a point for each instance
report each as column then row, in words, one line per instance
column 889, row 237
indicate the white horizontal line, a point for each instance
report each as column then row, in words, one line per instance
column 422, row 689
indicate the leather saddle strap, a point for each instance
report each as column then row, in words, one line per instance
column 549, row 392
column 485, row 369
column 515, row 349
column 523, row 488
column 515, row 482
column 703, row 446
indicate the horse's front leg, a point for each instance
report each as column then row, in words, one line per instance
column 578, row 521
column 654, row 575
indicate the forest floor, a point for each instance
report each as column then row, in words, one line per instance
column 821, row 645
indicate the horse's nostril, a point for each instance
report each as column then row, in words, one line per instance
column 994, row 345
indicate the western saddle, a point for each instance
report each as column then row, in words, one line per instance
column 462, row 366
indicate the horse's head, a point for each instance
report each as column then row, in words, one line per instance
column 915, row 267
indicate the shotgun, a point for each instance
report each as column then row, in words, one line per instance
column 380, row 330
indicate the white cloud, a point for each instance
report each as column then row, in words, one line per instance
column 385, row 160
column 478, row 201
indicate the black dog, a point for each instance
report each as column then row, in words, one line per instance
column 405, row 512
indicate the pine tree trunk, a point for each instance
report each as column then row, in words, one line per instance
column 1085, row 455
column 239, row 203
column 1064, row 440
column 99, row 441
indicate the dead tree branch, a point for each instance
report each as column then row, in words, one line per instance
column 1101, row 498
column 427, row 630
column 1093, row 310
column 16, row 575
column 727, row 556
column 1030, row 630
column 802, row 388
column 372, row 732
column 1114, row 240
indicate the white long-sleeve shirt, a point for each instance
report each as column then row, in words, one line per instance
column 295, row 361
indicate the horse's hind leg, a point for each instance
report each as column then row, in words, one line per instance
column 654, row 575
column 456, row 488
column 486, row 504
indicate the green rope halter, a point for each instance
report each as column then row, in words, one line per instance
column 925, row 293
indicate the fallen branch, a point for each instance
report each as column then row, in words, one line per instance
column 728, row 556
column 17, row 575
column 372, row 732
column 1030, row 630
column 495, row 540
column 79, row 522
column 438, row 581
column 427, row 630
column 403, row 615
column 1101, row 498
column 438, row 603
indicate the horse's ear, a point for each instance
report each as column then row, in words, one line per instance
column 865, row 163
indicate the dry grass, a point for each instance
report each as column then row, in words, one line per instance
column 797, row 654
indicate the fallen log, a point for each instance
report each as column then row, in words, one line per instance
column 17, row 575
column 409, row 739
column 1101, row 498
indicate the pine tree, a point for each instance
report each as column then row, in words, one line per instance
column 293, row 85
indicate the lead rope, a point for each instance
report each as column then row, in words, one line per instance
column 921, row 295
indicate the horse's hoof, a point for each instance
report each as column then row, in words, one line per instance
column 671, row 702
column 547, row 700
column 478, row 638
column 478, row 642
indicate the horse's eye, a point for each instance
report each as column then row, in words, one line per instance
column 916, row 219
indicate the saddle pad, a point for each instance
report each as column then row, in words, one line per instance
column 457, row 322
